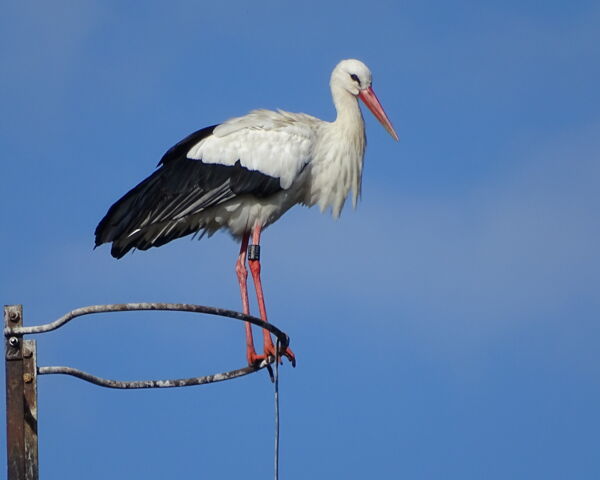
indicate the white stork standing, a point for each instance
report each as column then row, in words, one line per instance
column 243, row 174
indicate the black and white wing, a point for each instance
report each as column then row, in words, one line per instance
column 259, row 155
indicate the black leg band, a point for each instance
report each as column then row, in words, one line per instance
column 253, row 252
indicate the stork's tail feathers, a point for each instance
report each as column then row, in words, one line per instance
column 146, row 216
column 127, row 224
column 121, row 224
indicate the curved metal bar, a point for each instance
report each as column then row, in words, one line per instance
column 181, row 382
column 127, row 307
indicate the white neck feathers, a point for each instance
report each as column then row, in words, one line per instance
column 338, row 159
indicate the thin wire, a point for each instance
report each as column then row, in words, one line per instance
column 277, row 410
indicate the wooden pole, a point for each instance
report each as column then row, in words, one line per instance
column 30, row 409
column 15, row 404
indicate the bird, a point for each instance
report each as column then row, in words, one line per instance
column 244, row 174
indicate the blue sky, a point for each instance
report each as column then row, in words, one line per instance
column 448, row 328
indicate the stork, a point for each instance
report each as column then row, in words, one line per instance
column 245, row 173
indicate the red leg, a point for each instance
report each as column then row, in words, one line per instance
column 242, row 275
column 269, row 348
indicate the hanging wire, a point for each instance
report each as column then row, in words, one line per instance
column 276, row 382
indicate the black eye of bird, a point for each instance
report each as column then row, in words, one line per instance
column 354, row 77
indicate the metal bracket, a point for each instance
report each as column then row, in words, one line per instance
column 22, row 373
column 13, row 317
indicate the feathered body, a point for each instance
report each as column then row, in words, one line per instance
column 298, row 150
column 247, row 172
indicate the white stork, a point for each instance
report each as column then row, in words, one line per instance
column 243, row 174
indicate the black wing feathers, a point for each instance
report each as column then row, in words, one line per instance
column 166, row 205
column 181, row 148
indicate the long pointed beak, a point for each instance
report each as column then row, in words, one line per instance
column 368, row 96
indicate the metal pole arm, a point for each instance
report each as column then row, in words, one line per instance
column 128, row 307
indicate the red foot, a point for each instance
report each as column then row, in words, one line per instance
column 290, row 356
column 253, row 358
column 270, row 351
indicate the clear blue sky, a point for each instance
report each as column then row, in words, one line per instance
column 448, row 328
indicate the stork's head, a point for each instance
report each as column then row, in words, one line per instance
column 355, row 77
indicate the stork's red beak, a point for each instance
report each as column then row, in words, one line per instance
column 368, row 96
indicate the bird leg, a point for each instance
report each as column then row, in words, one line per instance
column 254, row 262
column 242, row 275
